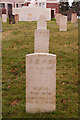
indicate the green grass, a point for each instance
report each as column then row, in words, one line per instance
column 18, row 40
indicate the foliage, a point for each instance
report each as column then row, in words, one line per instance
column 64, row 7
column 76, row 6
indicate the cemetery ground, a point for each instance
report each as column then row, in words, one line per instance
column 17, row 41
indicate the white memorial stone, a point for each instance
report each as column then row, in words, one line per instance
column 41, row 43
column 57, row 15
column 41, row 75
column 42, row 24
column 74, row 18
column 40, row 82
column 35, row 10
column 29, row 18
column 4, row 17
column 63, row 23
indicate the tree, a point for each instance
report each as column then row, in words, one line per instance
column 64, row 6
column 76, row 7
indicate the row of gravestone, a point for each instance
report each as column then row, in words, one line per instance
column 41, row 73
column 12, row 18
column 41, row 70
column 61, row 21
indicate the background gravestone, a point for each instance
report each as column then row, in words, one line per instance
column 41, row 43
column 41, row 76
column 58, row 18
column 63, row 23
column 11, row 19
column 16, row 18
column 74, row 18
column 4, row 17
column 29, row 18
column 42, row 24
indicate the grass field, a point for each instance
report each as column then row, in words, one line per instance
column 17, row 41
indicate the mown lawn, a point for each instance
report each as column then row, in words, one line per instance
column 17, row 41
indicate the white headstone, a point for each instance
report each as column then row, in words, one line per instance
column 41, row 75
column 63, row 23
column 57, row 17
column 4, row 17
column 41, row 43
column 29, row 18
column 36, row 11
column 74, row 18
column 42, row 24
column 40, row 82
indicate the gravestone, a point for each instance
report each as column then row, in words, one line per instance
column 41, row 76
column 40, row 82
column 16, row 18
column 32, row 13
column 41, row 43
column 4, row 17
column 58, row 16
column 74, row 18
column 11, row 19
column 58, row 20
column 42, row 24
column 29, row 18
column 63, row 23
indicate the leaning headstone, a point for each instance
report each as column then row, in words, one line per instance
column 74, row 18
column 63, row 23
column 4, row 17
column 41, row 76
column 42, row 24
column 29, row 18
column 16, row 18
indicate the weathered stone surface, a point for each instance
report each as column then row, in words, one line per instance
column 42, row 24
column 74, row 18
column 57, row 17
column 41, row 42
column 63, row 23
column 36, row 11
column 29, row 18
column 40, row 82
column 4, row 17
